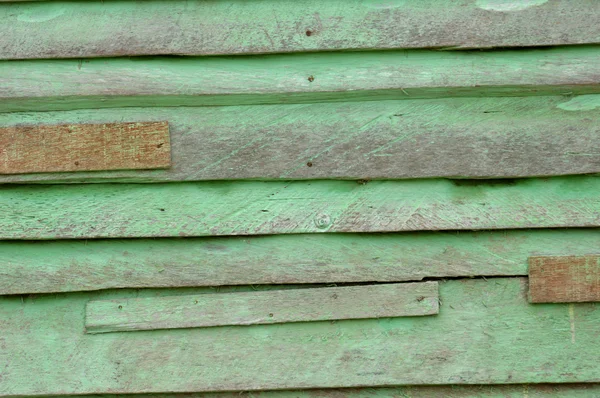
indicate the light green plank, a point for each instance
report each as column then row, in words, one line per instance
column 458, row 137
column 257, row 208
column 587, row 390
column 295, row 78
column 78, row 29
column 258, row 308
column 486, row 332
column 71, row 265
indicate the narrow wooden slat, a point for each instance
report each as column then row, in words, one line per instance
column 115, row 28
column 84, row 147
column 297, row 78
column 581, row 390
column 487, row 324
column 257, row 208
column 71, row 265
column 564, row 279
column 459, row 137
column 257, row 308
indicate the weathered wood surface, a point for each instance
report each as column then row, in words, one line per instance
column 458, row 137
column 487, row 324
column 582, row 390
column 259, row 308
column 71, row 265
column 564, row 279
column 116, row 28
column 295, row 78
column 257, row 208
column 84, row 147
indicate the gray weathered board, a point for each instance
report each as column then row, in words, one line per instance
column 257, row 308
column 121, row 28
column 295, row 78
column 452, row 137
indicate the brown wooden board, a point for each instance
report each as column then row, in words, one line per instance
column 564, row 279
column 84, row 147
column 258, row 308
column 79, row 29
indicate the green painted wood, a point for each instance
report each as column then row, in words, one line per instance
column 256, row 208
column 583, row 390
column 71, row 265
column 259, row 308
column 78, row 29
column 482, row 334
column 458, row 137
column 295, row 78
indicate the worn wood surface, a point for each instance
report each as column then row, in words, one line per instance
column 458, row 137
column 81, row 29
column 256, row 208
column 71, row 265
column 295, row 78
column 258, row 308
column 84, row 147
column 487, row 324
column 564, row 279
column 582, row 390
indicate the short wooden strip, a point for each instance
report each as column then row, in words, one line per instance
column 458, row 137
column 304, row 78
column 91, row 29
column 256, row 208
column 487, row 324
column 256, row 308
column 564, row 279
column 84, row 147
column 581, row 390
column 74, row 265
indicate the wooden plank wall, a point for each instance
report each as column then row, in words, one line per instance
column 276, row 199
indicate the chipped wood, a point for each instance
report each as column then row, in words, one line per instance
column 90, row 29
column 564, row 279
column 84, row 147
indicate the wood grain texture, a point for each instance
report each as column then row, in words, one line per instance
column 295, row 78
column 81, row 29
column 72, row 265
column 564, row 279
column 582, row 390
column 257, row 208
column 259, row 308
column 458, row 137
column 487, row 324
column 84, row 147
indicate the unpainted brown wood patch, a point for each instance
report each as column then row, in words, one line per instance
column 564, row 279
column 84, row 147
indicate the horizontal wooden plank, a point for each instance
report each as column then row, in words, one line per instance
column 295, row 78
column 459, row 137
column 581, row 390
column 487, row 324
column 84, row 147
column 257, row 208
column 564, row 279
column 258, row 308
column 72, row 265
column 81, row 29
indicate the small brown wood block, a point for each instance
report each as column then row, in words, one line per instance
column 84, row 147
column 564, row 279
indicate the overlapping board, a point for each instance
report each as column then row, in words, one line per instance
column 127, row 28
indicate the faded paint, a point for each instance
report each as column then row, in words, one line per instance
column 508, row 5
column 581, row 103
